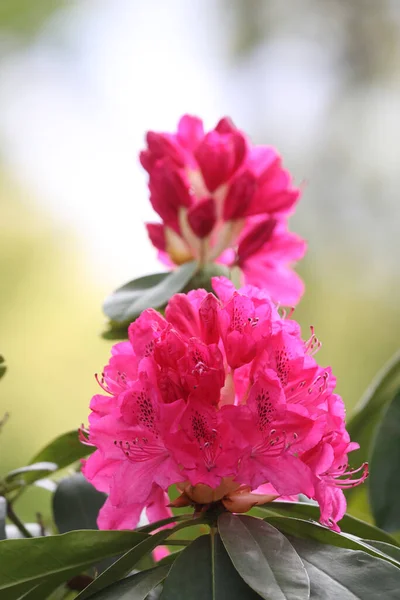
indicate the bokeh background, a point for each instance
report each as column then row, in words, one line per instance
column 81, row 82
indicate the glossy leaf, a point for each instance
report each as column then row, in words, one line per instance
column 305, row 510
column 346, row 574
column 264, row 558
column 3, row 515
column 26, row 563
column 76, row 504
column 370, row 409
column 319, row 533
column 204, row 571
column 127, row 562
column 135, row 587
column 384, row 483
column 152, row 291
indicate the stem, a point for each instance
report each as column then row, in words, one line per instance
column 19, row 524
column 41, row 524
column 212, row 536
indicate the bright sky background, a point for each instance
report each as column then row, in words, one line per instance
column 74, row 109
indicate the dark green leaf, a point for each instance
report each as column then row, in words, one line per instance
column 305, row 510
column 384, row 482
column 127, row 562
column 388, row 549
column 3, row 367
column 204, row 571
column 169, row 559
column 152, row 526
column 135, row 587
column 264, row 558
column 368, row 412
column 115, row 332
column 25, row 563
column 338, row 573
column 37, row 470
column 42, row 590
column 76, row 504
column 314, row 531
column 152, row 291
column 202, row 279
column 3, row 515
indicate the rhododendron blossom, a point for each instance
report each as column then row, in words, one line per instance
column 223, row 398
column 223, row 199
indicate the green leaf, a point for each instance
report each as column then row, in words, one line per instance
column 384, row 483
column 338, row 573
column 264, row 558
column 64, row 450
column 152, row 291
column 204, row 571
column 115, row 332
column 157, row 524
column 3, row 515
column 135, row 587
column 169, row 559
column 25, row 563
column 314, row 531
column 76, row 504
column 305, row 510
column 3, row 367
column 38, row 470
column 41, row 591
column 388, row 549
column 369, row 410
column 202, row 278
column 117, row 305
column 127, row 562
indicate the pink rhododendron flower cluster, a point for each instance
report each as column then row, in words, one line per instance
column 223, row 398
column 223, row 199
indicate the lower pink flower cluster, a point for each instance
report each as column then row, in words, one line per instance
column 224, row 399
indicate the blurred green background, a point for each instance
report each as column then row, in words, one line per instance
column 80, row 83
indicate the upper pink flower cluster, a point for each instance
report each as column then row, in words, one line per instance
column 223, row 199
column 220, row 397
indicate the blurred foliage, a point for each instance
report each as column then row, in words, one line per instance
column 26, row 17
column 367, row 35
column 50, row 321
